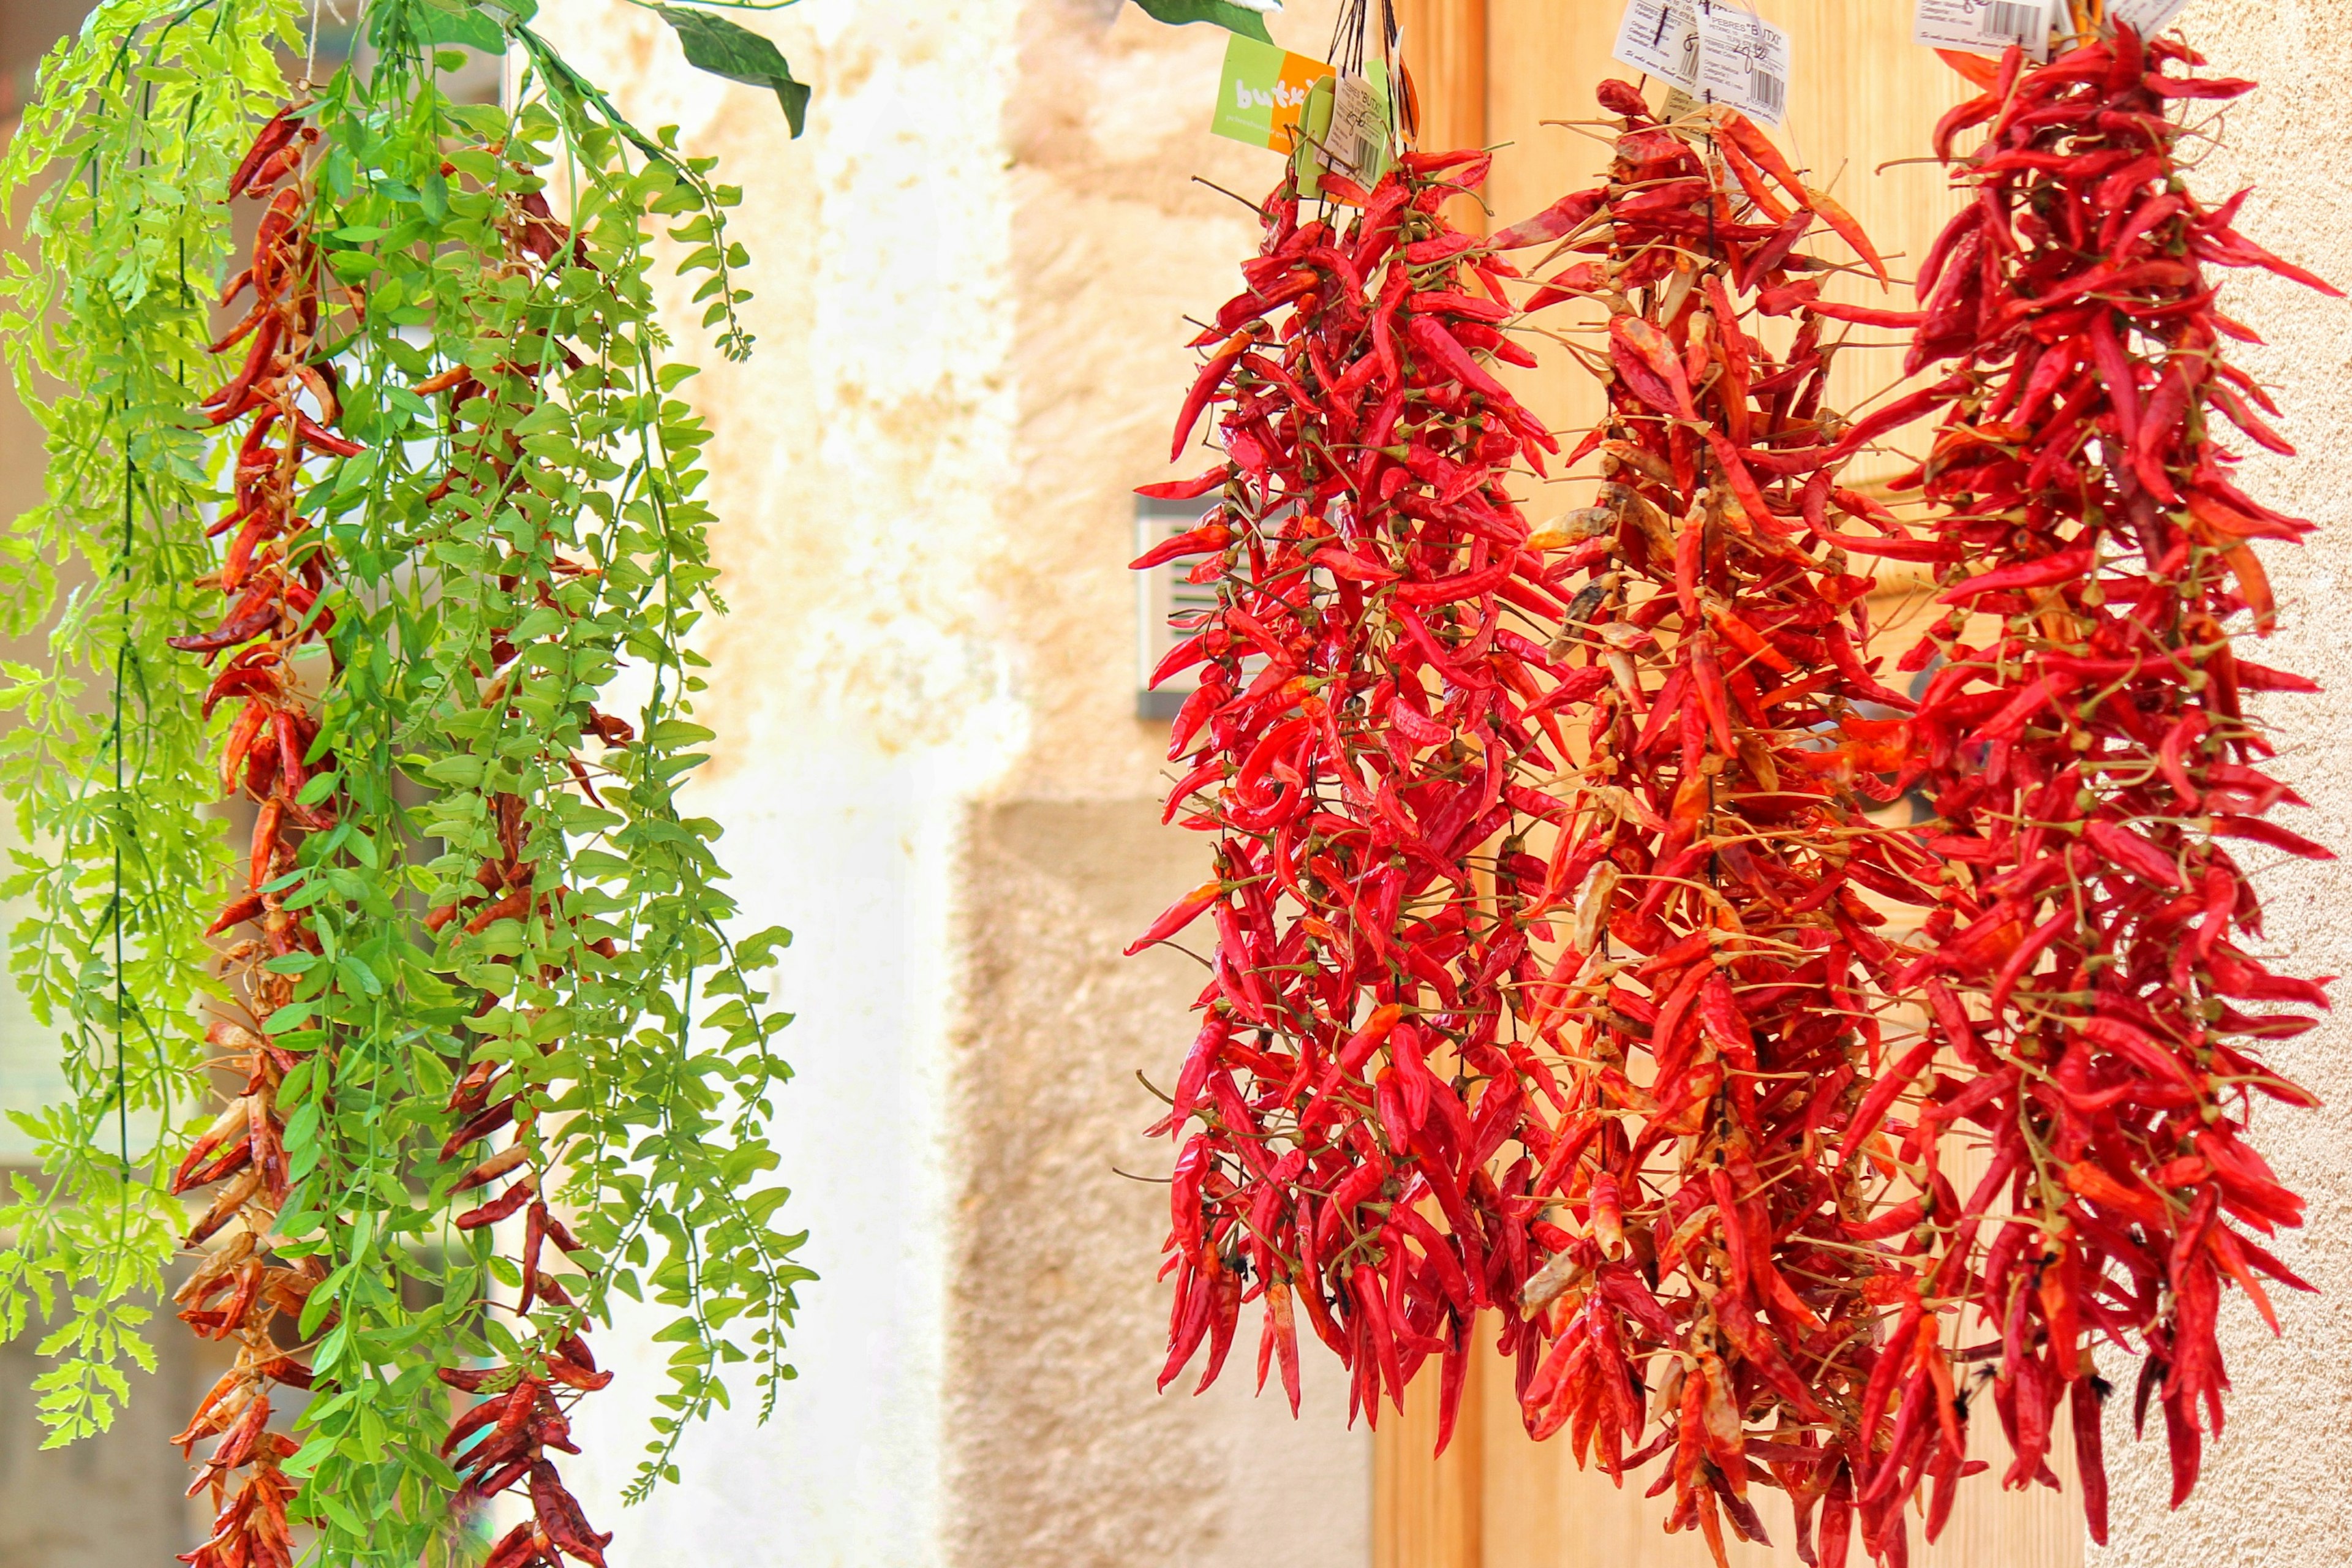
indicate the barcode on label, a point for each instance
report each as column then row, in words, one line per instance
column 2009, row 19
column 1358, row 134
column 1770, row 91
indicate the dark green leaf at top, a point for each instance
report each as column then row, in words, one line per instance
column 443, row 24
column 726, row 49
column 1233, row 18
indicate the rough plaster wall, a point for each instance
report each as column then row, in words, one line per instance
column 2272, row 1490
column 859, row 471
column 1061, row 1456
column 1114, row 244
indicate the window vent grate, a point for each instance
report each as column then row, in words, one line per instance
column 1162, row 597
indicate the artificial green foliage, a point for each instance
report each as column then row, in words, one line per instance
column 103, row 755
column 549, row 528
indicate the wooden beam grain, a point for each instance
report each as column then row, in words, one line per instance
column 1430, row 1513
column 1445, row 44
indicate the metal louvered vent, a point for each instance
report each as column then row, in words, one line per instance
column 1167, row 608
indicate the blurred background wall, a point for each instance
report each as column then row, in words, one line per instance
column 973, row 271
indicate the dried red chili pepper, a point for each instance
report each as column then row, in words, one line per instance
column 1720, row 839
column 272, row 572
column 1367, row 714
column 2088, row 754
column 275, row 568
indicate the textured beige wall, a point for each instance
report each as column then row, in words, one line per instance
column 2274, row 1490
column 1060, row 1454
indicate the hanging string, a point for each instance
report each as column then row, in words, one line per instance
column 311, row 61
column 1347, row 55
column 122, row 995
column 1349, row 51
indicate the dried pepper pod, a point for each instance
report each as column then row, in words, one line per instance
column 1374, row 691
column 2086, row 743
column 1716, row 1009
column 274, row 569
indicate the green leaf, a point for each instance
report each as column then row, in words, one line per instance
column 1242, row 19
column 729, row 49
column 359, row 979
column 471, row 30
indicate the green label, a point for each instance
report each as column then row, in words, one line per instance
column 1270, row 98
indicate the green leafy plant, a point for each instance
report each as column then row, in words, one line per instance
column 458, row 506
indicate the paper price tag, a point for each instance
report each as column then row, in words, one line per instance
column 2145, row 16
column 1743, row 61
column 1262, row 92
column 1357, row 136
column 1983, row 26
column 1660, row 38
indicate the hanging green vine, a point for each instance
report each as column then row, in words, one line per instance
column 474, row 964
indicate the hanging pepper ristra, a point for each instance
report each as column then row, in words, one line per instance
column 1722, row 862
column 2091, row 757
column 1374, row 701
column 272, row 572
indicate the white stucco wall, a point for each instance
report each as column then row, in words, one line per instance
column 858, row 468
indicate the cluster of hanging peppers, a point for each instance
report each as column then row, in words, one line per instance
column 466, row 1039
column 1715, row 1007
column 1375, row 696
column 2085, row 744
column 1701, row 1148
column 272, row 572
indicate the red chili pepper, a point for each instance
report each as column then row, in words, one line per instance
column 504, row 1206
column 275, row 135
column 1707, row 518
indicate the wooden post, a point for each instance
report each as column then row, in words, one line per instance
column 1445, row 49
column 1429, row 1514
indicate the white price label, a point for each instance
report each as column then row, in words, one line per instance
column 1983, row 26
column 2145, row 16
column 1743, row 61
column 1359, row 129
column 1660, row 38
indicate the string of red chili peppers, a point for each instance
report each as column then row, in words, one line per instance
column 501, row 1443
column 1722, row 848
column 2089, row 754
column 272, row 572
column 1374, row 685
